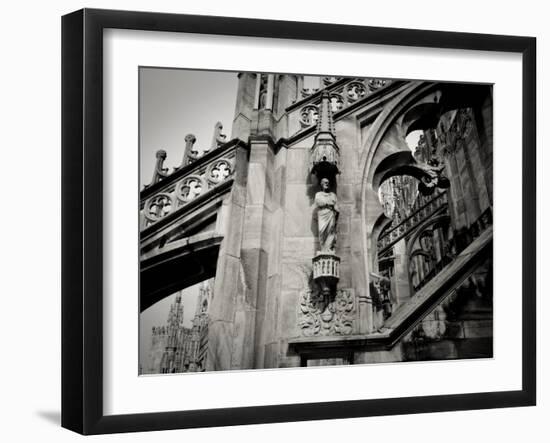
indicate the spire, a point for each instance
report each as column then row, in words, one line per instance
column 325, row 123
column 325, row 152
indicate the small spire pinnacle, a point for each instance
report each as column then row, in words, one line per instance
column 325, row 123
column 325, row 152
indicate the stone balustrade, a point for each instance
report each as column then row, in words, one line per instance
column 460, row 240
column 343, row 93
column 421, row 212
column 187, row 183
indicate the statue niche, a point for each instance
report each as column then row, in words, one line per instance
column 326, row 264
column 327, row 216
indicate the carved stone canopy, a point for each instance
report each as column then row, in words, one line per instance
column 325, row 154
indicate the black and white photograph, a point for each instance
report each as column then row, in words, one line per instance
column 275, row 221
column 290, row 220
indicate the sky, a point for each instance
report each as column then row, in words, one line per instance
column 177, row 102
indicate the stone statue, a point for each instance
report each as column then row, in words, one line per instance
column 433, row 177
column 327, row 216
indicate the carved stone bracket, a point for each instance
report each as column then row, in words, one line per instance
column 320, row 315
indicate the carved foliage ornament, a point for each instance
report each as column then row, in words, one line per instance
column 356, row 90
column 319, row 315
column 330, row 80
column 376, row 83
column 309, row 115
column 336, row 102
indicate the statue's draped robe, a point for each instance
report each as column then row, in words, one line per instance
column 327, row 215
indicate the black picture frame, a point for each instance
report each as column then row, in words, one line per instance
column 82, row 219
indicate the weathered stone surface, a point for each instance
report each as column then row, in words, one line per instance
column 274, row 284
column 275, row 241
column 254, row 265
column 279, row 189
column 346, row 135
column 288, row 314
column 234, row 216
column 344, row 221
column 401, row 289
column 297, row 165
column 299, row 211
column 345, row 274
column 256, row 227
column 299, row 249
column 242, row 351
column 295, row 275
column 345, row 193
column 228, row 285
column 220, row 346
column 266, row 317
column 271, row 358
column 256, row 184
column 389, row 356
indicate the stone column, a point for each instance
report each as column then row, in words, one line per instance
column 401, row 288
column 269, row 100
column 244, row 106
column 228, row 284
column 365, row 313
column 255, row 253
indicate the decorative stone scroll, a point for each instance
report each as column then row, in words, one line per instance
column 336, row 102
column 355, row 91
column 160, row 172
column 158, row 206
column 327, row 81
column 309, row 115
column 189, row 154
column 376, row 83
column 189, row 188
column 306, row 92
column 320, row 314
column 218, row 138
column 218, row 171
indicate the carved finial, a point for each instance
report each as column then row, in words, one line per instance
column 189, row 154
column 159, row 172
column 218, row 139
